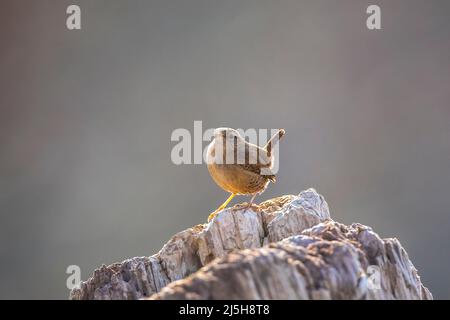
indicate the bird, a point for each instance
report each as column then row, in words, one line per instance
column 249, row 176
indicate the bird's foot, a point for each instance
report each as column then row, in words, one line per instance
column 222, row 206
column 212, row 215
column 247, row 205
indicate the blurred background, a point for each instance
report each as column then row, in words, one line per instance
column 86, row 118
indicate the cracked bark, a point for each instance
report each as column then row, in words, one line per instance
column 285, row 248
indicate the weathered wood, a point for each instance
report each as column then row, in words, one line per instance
column 285, row 248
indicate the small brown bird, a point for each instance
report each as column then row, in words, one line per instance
column 238, row 166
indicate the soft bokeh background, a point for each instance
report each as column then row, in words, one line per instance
column 86, row 118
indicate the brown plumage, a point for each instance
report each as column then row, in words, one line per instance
column 251, row 175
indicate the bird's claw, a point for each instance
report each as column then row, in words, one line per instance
column 247, row 206
column 212, row 215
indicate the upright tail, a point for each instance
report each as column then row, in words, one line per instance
column 273, row 141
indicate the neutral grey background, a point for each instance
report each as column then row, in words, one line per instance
column 86, row 118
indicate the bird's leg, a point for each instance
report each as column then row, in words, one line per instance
column 212, row 215
column 252, row 199
column 248, row 205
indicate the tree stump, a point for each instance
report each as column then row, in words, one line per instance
column 285, row 248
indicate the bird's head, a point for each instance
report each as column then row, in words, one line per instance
column 228, row 134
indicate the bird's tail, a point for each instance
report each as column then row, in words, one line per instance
column 273, row 141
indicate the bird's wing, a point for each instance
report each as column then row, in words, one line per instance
column 254, row 158
column 251, row 168
column 258, row 156
column 256, row 170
